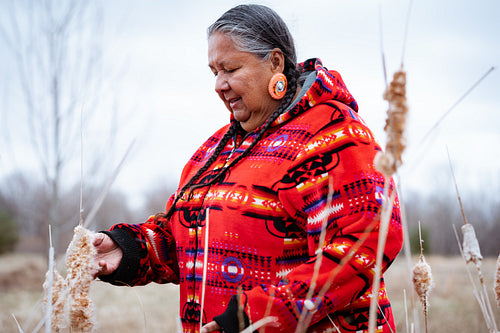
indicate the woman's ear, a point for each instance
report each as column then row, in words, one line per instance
column 277, row 60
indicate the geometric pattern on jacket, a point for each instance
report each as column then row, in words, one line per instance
column 315, row 164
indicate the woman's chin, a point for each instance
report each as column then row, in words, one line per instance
column 241, row 115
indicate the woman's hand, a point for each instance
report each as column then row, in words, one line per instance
column 210, row 327
column 108, row 254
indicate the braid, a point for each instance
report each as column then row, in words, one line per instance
column 292, row 85
column 208, row 163
column 287, row 100
column 292, row 88
column 281, row 108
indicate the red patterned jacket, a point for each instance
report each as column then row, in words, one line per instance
column 262, row 222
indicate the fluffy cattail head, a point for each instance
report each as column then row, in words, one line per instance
column 423, row 282
column 388, row 162
column 59, row 292
column 80, row 262
column 471, row 250
column 71, row 304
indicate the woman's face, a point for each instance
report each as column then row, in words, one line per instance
column 242, row 79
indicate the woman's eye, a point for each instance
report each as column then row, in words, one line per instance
column 231, row 70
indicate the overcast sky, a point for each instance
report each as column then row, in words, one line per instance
column 167, row 90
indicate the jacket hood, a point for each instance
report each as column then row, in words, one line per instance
column 319, row 85
column 327, row 84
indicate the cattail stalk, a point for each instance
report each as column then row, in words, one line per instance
column 385, row 216
column 49, row 284
column 269, row 306
column 471, row 253
column 266, row 321
column 388, row 162
column 309, row 305
column 19, row 328
column 55, row 287
column 497, row 282
column 345, row 260
column 414, row 324
column 205, row 263
column 480, row 294
column 67, row 299
column 406, row 311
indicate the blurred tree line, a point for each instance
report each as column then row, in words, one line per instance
column 25, row 211
column 440, row 215
column 24, row 215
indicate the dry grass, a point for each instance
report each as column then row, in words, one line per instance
column 151, row 308
column 453, row 307
column 154, row 308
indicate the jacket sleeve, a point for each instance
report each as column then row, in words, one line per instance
column 341, row 154
column 149, row 253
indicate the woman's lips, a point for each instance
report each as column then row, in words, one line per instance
column 233, row 102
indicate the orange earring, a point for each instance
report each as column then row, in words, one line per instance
column 277, row 86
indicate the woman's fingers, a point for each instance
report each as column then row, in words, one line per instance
column 108, row 255
column 99, row 237
column 210, row 327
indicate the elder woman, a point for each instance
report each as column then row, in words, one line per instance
column 241, row 234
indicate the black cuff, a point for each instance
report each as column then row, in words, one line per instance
column 229, row 321
column 129, row 265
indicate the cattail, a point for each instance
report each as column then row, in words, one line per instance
column 471, row 250
column 58, row 296
column 71, row 304
column 388, row 162
column 497, row 282
column 422, row 282
column 80, row 262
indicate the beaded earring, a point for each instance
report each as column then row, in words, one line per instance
column 277, row 86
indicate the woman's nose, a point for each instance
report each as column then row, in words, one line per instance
column 221, row 84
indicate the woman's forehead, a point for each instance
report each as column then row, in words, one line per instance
column 222, row 50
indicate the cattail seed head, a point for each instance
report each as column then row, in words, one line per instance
column 423, row 282
column 471, row 250
column 71, row 304
column 80, row 263
column 388, row 161
column 59, row 293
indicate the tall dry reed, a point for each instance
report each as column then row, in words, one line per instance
column 497, row 282
column 471, row 253
column 388, row 162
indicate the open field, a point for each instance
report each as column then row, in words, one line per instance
column 154, row 308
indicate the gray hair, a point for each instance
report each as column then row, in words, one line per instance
column 258, row 29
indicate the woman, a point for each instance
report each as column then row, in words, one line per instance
column 241, row 234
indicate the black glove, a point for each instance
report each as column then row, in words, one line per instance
column 229, row 320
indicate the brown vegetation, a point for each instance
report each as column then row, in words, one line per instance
column 154, row 308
